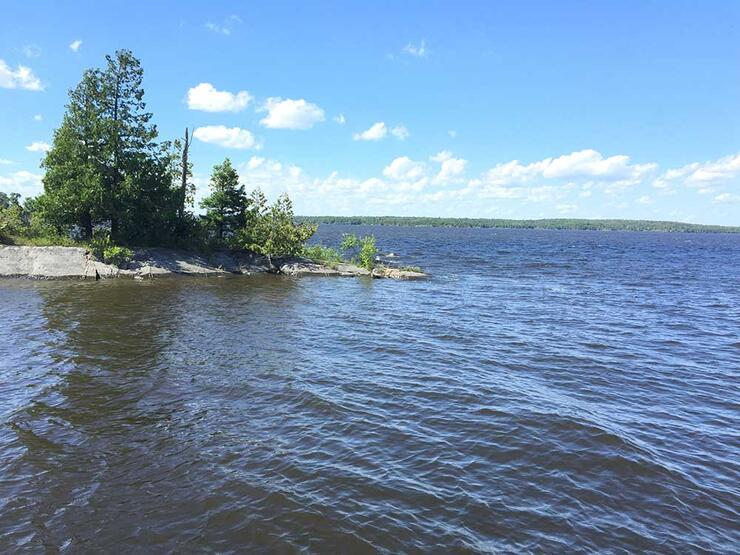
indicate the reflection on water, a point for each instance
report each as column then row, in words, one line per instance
column 545, row 391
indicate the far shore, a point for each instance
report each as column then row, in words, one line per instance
column 563, row 224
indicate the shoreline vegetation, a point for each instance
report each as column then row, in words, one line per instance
column 543, row 224
column 113, row 189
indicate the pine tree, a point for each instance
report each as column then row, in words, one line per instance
column 104, row 166
column 227, row 204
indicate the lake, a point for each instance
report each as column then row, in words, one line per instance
column 544, row 391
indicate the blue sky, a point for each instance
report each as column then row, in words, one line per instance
column 482, row 109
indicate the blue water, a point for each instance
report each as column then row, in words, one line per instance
column 544, row 391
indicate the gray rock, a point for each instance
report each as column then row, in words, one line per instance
column 76, row 262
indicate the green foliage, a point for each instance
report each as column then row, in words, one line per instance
column 118, row 256
column 99, row 243
column 271, row 230
column 416, row 269
column 322, row 254
column 557, row 223
column 11, row 221
column 103, row 248
column 104, row 166
column 362, row 250
column 226, row 206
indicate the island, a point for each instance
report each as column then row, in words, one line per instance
column 119, row 202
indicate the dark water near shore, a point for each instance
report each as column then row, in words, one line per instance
column 544, row 392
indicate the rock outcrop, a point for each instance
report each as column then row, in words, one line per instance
column 78, row 263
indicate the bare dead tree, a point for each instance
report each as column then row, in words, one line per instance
column 185, row 173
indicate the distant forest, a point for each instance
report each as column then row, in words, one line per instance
column 554, row 223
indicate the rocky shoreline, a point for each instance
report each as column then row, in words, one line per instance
column 78, row 263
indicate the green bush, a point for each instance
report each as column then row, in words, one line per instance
column 362, row 250
column 99, row 243
column 322, row 254
column 118, row 256
column 104, row 249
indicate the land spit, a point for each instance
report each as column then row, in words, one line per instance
column 79, row 263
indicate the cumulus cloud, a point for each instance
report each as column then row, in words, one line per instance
column 571, row 184
column 451, row 168
column 205, row 97
column 291, row 114
column 226, row 27
column 726, row 198
column 417, row 50
column 376, row 132
column 379, row 130
column 703, row 176
column 21, row 77
column 581, row 164
column 24, row 182
column 75, row 45
column 228, row 137
column 403, row 168
column 38, row 146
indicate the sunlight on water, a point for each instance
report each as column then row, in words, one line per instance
column 544, row 391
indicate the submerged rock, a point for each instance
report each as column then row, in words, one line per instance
column 397, row 273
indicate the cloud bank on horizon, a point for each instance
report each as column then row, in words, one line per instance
column 365, row 146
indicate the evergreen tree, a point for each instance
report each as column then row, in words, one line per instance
column 104, row 166
column 227, row 204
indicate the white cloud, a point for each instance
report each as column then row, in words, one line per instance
column 20, row 78
column 24, row 182
column 726, row 198
column 255, row 162
column 31, row 50
column 703, row 176
column 581, row 164
column 340, row 119
column 400, row 132
column 229, row 137
column 451, row 168
column 291, row 114
column 38, row 117
column 379, row 130
column 38, row 146
column 205, row 97
column 376, row 132
column 551, row 187
column 418, row 50
column 5, row 162
column 404, row 168
column 75, row 45
column 225, row 28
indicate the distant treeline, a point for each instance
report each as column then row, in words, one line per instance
column 554, row 223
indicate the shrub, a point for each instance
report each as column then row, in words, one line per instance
column 99, row 243
column 118, row 256
column 271, row 230
column 322, row 254
column 363, row 250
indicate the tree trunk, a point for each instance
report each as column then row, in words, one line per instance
column 87, row 225
column 116, row 147
column 184, row 182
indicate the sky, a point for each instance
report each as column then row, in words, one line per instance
column 422, row 108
